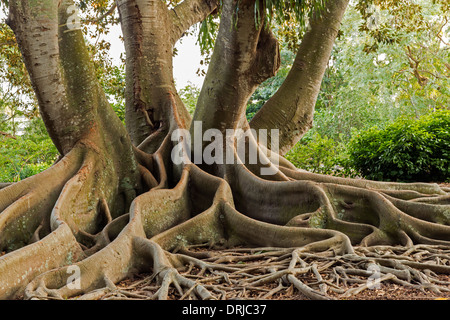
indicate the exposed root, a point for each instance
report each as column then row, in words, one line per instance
column 419, row 188
column 315, row 237
column 4, row 184
column 25, row 205
column 367, row 216
column 166, row 274
column 277, row 273
column 50, row 216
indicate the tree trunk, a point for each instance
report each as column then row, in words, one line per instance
column 244, row 56
column 150, row 32
column 291, row 108
column 117, row 205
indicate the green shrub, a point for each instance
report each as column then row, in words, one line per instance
column 405, row 150
column 26, row 155
column 320, row 154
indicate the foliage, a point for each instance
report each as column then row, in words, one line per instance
column 189, row 95
column 405, row 150
column 289, row 18
column 17, row 98
column 321, row 154
column 113, row 82
column 270, row 86
column 26, row 155
column 404, row 55
column 406, row 75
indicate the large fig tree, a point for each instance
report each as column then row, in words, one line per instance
column 146, row 198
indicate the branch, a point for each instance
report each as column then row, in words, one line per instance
column 414, row 64
column 60, row 67
column 8, row 135
column 103, row 16
column 291, row 108
column 440, row 31
column 244, row 56
column 188, row 13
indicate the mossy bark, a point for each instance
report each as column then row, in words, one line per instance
column 113, row 210
column 291, row 108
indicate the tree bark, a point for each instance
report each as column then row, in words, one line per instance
column 188, row 13
column 112, row 210
column 76, row 113
column 152, row 95
column 291, row 108
column 245, row 54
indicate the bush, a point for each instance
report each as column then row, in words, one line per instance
column 27, row 155
column 405, row 150
column 320, row 154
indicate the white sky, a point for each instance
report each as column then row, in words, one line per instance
column 185, row 63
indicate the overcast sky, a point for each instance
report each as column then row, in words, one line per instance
column 185, row 63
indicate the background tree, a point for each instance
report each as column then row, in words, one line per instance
column 116, row 203
column 351, row 101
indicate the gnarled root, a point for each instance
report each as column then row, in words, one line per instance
column 129, row 252
column 278, row 273
column 46, row 218
column 326, row 238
